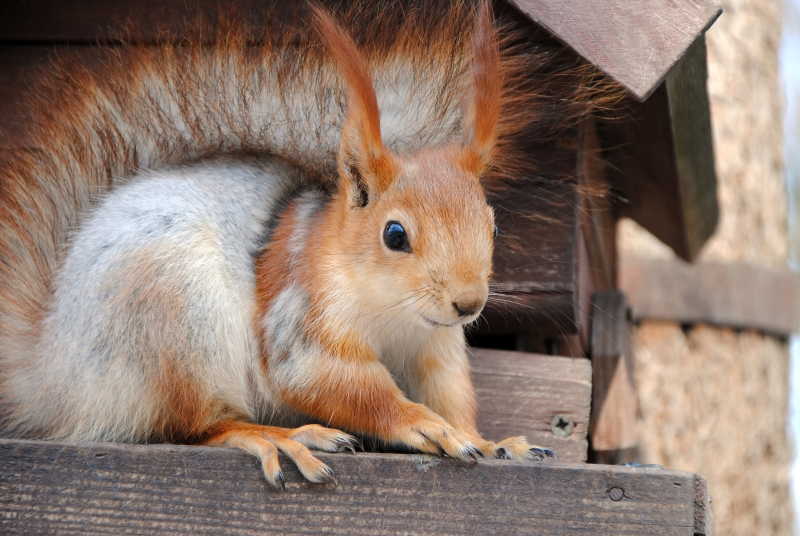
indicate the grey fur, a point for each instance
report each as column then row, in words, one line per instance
column 198, row 224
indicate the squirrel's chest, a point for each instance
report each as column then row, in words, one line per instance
column 398, row 350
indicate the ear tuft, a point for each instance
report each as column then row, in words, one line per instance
column 363, row 159
column 483, row 105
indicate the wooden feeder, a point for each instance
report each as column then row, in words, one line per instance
column 652, row 156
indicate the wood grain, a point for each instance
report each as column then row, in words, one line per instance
column 634, row 44
column 615, row 404
column 49, row 488
column 522, row 393
column 140, row 21
column 690, row 117
column 726, row 294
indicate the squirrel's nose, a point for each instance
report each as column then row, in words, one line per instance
column 468, row 305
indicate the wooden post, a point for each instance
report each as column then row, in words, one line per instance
column 615, row 405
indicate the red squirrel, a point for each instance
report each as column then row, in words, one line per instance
column 222, row 244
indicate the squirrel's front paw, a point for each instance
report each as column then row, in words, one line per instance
column 517, row 448
column 425, row 431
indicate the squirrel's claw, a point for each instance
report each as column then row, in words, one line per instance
column 540, row 453
column 472, row 452
column 348, row 443
column 281, row 480
column 518, row 448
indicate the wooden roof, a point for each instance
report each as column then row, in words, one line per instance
column 636, row 43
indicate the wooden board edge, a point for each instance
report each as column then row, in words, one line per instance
column 737, row 295
column 169, row 489
column 690, row 115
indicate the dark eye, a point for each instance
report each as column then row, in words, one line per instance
column 496, row 231
column 395, row 237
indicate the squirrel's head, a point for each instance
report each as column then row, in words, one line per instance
column 417, row 229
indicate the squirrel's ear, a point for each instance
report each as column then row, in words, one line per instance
column 368, row 167
column 482, row 110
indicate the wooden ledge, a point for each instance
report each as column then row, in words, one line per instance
column 737, row 295
column 85, row 488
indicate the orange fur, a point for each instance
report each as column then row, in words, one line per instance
column 454, row 399
column 483, row 108
column 366, row 401
column 362, row 146
column 272, row 274
column 186, row 412
column 265, row 441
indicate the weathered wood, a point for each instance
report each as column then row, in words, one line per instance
column 543, row 397
column 615, row 405
column 690, row 117
column 662, row 159
column 634, row 44
column 163, row 489
column 139, row 21
column 596, row 250
column 727, row 294
column 535, row 262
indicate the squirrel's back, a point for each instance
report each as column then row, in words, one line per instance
column 154, row 302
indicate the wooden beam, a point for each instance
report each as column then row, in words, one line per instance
column 726, row 294
column 165, row 489
column 615, row 404
column 662, row 159
column 635, row 44
column 140, row 21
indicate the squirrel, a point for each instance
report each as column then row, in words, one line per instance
column 268, row 247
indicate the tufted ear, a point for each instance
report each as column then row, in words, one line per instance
column 482, row 107
column 364, row 163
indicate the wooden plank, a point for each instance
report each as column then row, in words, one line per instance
column 635, row 44
column 597, row 232
column 726, row 294
column 163, row 489
column 141, row 21
column 543, row 397
column 615, row 404
column 535, row 263
column 690, row 117
column 662, row 159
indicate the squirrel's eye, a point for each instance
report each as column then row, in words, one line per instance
column 496, row 231
column 395, row 237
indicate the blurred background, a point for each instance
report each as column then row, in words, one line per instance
column 716, row 400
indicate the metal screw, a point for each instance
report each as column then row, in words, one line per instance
column 561, row 426
column 616, row 494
